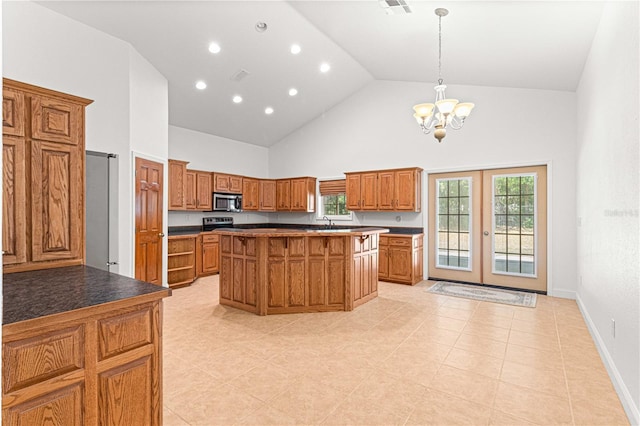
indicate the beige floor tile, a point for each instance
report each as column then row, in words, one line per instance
column 480, row 329
column 460, row 303
column 551, row 382
column 547, row 328
column 532, row 406
column 465, row 384
column 594, row 412
column 455, row 313
column 447, row 323
column 536, row 341
column 267, row 416
column 498, row 418
column 482, row 345
column 536, row 358
column 427, row 332
column 491, row 319
column 169, row 418
column 439, row 408
column 474, row 362
column 307, row 401
column 366, row 413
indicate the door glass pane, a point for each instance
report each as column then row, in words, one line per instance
column 454, row 223
column 514, row 227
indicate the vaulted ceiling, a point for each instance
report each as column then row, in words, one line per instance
column 535, row 44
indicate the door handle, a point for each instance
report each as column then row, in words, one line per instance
column 486, row 233
column 161, row 234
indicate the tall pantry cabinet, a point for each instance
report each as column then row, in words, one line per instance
column 43, row 177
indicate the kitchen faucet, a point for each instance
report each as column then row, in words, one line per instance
column 326, row 218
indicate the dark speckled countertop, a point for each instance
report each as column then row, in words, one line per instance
column 29, row 295
column 194, row 230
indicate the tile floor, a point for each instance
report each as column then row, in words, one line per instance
column 407, row 358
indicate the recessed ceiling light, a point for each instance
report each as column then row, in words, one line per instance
column 293, row 91
column 214, row 47
column 261, row 27
column 237, row 99
column 268, row 110
column 295, row 49
column 201, row 85
column 325, row 67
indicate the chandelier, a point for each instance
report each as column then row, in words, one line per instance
column 444, row 112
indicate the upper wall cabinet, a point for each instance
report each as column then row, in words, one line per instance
column 177, row 185
column 231, row 184
column 385, row 190
column 43, row 177
column 296, row 194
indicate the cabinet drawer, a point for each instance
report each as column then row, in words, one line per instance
column 23, row 359
column 124, row 332
column 208, row 238
column 403, row 242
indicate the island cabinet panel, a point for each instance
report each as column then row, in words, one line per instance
column 43, row 177
column 98, row 365
column 364, row 269
column 64, row 407
column 238, row 271
column 276, row 283
column 125, row 394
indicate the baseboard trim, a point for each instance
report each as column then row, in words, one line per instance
column 565, row 294
column 631, row 409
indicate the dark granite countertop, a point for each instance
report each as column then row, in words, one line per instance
column 34, row 294
column 191, row 230
column 276, row 231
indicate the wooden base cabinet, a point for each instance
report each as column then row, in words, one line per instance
column 101, row 366
column 401, row 258
column 208, row 254
column 43, row 178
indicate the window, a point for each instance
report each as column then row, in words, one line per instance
column 332, row 199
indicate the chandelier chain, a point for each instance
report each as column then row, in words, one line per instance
column 439, row 49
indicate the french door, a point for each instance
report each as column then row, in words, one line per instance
column 489, row 227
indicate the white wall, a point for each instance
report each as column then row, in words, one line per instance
column 375, row 129
column 216, row 154
column 47, row 49
column 607, row 197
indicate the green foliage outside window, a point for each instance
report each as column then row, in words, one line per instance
column 335, row 205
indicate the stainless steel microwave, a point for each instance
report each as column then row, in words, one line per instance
column 227, row 202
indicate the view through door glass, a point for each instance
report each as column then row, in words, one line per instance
column 489, row 227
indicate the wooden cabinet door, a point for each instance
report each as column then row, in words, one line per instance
column 190, row 190
column 283, row 194
column 14, row 202
column 353, row 192
column 65, row 406
column 400, row 263
column 203, row 191
column 386, row 192
column 267, row 193
column 250, row 194
column 235, row 184
column 56, row 121
column 13, row 111
column 221, row 183
column 126, row 394
column 383, row 259
column 57, row 209
column 369, row 191
column 405, row 190
column 177, row 184
column 210, row 253
column 298, row 195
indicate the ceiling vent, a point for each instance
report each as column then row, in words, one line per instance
column 395, row 7
column 239, row 75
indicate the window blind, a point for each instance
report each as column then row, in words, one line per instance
column 333, row 187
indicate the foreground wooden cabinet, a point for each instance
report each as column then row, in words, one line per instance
column 385, row 190
column 43, row 177
column 401, row 258
column 96, row 366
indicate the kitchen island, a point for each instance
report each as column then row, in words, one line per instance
column 276, row 271
column 81, row 346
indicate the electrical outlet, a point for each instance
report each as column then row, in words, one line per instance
column 613, row 328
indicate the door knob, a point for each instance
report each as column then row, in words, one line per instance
column 161, row 234
column 486, row 232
